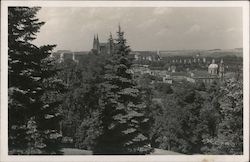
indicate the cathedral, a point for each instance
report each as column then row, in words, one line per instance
column 103, row 47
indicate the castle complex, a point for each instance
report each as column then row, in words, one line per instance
column 189, row 68
column 103, row 47
column 108, row 48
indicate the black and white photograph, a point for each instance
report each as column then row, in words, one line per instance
column 148, row 80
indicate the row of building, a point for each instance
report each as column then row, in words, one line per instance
column 62, row 55
column 189, row 60
column 215, row 72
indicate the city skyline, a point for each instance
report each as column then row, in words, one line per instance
column 164, row 28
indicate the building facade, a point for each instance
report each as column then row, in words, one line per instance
column 149, row 56
column 62, row 55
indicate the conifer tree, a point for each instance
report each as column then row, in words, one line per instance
column 122, row 116
column 33, row 87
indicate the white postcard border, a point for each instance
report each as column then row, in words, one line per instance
column 152, row 158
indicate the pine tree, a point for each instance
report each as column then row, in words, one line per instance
column 33, row 87
column 122, row 116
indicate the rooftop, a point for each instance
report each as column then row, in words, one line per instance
column 201, row 74
column 179, row 74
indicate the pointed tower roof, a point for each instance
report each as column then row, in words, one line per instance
column 94, row 41
column 97, row 37
column 94, row 38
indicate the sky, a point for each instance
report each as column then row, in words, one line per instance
column 146, row 28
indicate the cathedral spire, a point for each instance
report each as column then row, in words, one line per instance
column 97, row 38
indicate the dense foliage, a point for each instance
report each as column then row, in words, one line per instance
column 194, row 120
column 81, row 102
column 34, row 89
column 183, row 117
column 229, row 132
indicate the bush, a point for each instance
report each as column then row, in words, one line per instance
column 87, row 133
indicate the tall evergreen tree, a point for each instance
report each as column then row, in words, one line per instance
column 122, row 116
column 33, row 87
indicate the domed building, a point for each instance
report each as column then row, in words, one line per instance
column 215, row 73
column 213, row 68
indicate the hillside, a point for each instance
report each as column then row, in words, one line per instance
column 73, row 151
column 204, row 53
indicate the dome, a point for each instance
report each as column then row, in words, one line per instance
column 213, row 66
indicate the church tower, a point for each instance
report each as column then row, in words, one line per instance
column 221, row 69
column 96, row 45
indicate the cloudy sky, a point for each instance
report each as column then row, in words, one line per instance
column 145, row 28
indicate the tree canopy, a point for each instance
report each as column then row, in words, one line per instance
column 33, row 87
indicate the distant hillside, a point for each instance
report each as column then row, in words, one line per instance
column 204, row 53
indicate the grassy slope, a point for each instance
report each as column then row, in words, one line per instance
column 73, row 151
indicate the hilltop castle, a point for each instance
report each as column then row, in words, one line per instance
column 103, row 47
